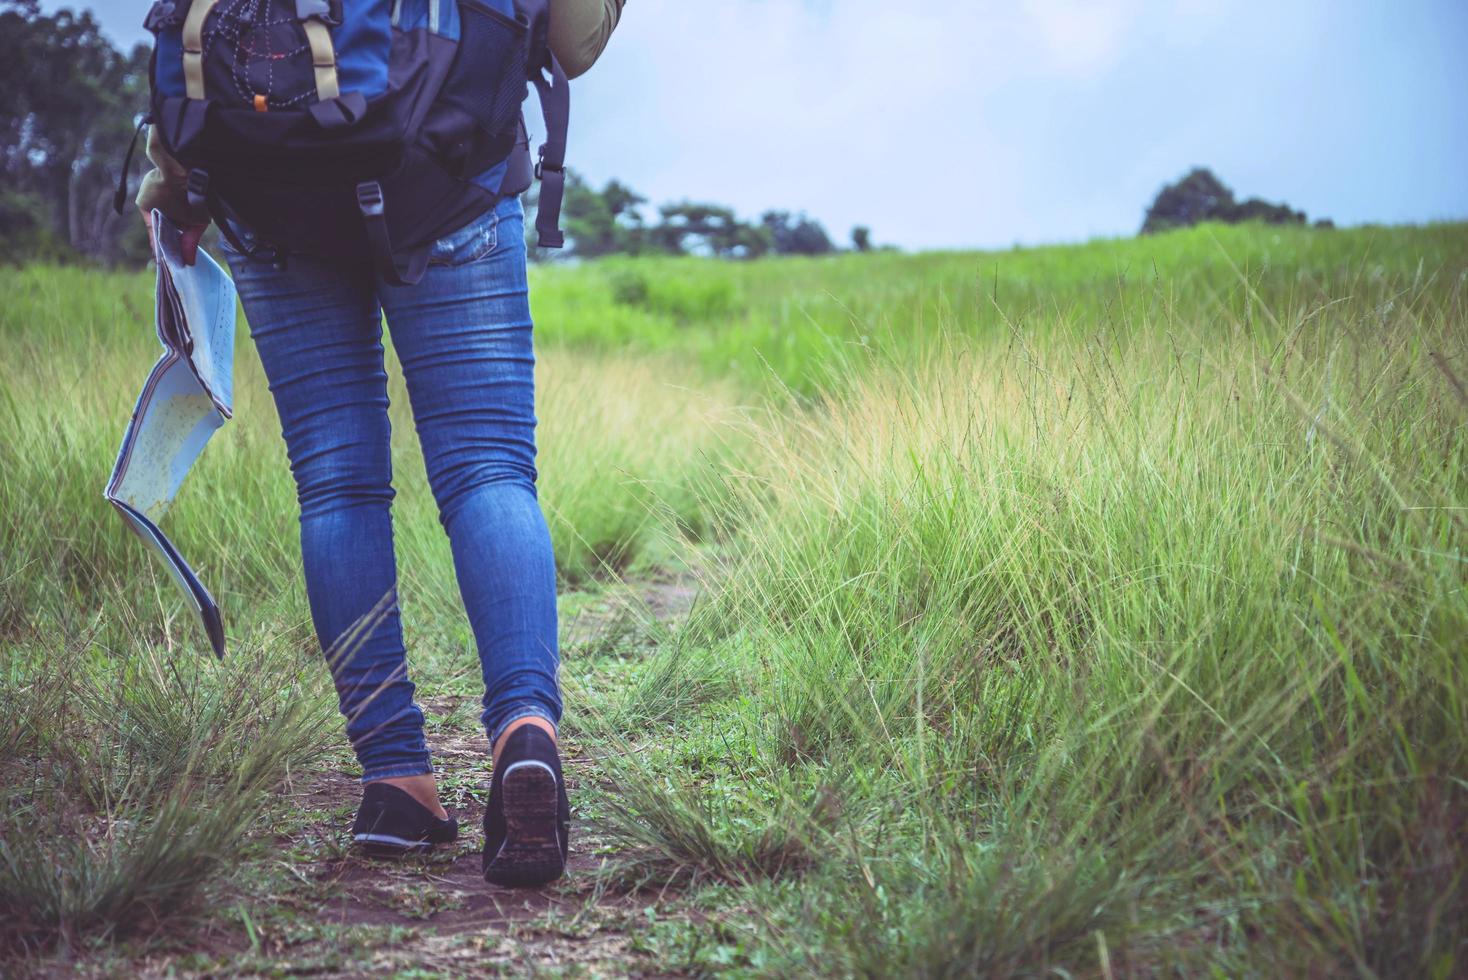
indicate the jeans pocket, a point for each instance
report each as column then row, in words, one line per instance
column 470, row 243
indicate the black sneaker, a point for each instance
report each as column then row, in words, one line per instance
column 390, row 823
column 527, row 821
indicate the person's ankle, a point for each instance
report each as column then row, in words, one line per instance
column 421, row 788
column 539, row 722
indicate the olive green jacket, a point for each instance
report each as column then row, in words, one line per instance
column 579, row 31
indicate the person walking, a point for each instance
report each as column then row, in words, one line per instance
column 463, row 334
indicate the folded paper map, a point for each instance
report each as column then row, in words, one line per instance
column 187, row 396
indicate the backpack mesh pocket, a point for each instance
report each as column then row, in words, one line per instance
column 488, row 79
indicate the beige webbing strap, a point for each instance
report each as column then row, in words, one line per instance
column 193, row 47
column 323, row 58
column 318, row 36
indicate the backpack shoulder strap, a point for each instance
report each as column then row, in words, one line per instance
column 323, row 58
column 193, row 47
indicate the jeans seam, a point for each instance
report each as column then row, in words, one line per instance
column 525, row 711
column 400, row 770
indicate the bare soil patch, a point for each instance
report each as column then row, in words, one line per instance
column 450, row 919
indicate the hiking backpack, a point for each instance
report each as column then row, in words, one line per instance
column 356, row 129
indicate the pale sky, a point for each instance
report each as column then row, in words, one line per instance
column 961, row 123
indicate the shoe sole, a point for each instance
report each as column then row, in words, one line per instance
column 531, row 853
column 388, row 846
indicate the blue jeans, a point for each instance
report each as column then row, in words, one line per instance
column 463, row 335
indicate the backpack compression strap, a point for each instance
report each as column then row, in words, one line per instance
column 316, row 17
column 323, row 59
column 550, row 167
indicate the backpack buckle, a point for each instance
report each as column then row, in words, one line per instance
column 163, row 15
column 198, row 188
column 369, row 198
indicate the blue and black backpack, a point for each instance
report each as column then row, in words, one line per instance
column 357, row 129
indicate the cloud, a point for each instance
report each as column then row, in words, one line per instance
column 922, row 120
column 1081, row 37
column 971, row 123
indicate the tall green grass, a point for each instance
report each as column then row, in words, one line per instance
column 1093, row 610
column 131, row 777
column 134, row 766
column 1095, row 647
column 785, row 320
column 619, row 441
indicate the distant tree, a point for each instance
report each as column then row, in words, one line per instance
column 604, row 222
column 861, row 238
column 610, row 222
column 70, row 101
column 1201, row 196
column 623, row 202
column 1197, row 197
column 796, row 234
column 1255, row 209
column 751, row 241
column 694, row 228
column 26, row 234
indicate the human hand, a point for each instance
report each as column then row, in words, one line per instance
column 165, row 188
column 189, row 246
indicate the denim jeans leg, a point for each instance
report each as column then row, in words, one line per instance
column 318, row 329
column 463, row 335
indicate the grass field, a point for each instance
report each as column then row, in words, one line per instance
column 1089, row 610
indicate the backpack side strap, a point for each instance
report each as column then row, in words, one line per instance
column 396, row 270
column 550, row 167
column 201, row 198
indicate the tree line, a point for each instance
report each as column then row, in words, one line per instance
column 611, row 221
column 72, row 100
column 1200, row 196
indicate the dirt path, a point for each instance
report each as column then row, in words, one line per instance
column 333, row 912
